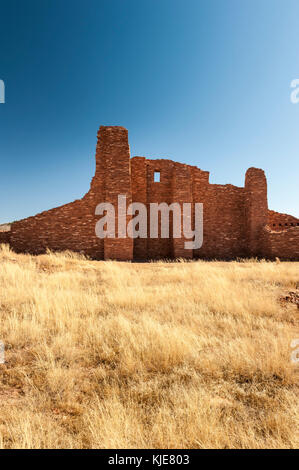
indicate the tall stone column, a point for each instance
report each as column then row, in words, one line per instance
column 113, row 168
column 256, row 206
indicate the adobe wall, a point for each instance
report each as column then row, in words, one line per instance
column 234, row 217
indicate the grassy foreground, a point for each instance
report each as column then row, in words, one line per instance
column 159, row 355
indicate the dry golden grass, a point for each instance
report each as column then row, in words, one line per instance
column 157, row 355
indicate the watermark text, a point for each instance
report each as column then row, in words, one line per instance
column 2, row 92
column 133, row 221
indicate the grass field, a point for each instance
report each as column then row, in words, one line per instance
column 156, row 355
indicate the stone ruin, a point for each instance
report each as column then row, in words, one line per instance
column 236, row 220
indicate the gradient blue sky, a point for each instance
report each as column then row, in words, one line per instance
column 201, row 82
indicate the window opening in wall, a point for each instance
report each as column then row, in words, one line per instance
column 157, row 176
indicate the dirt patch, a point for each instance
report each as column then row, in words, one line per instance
column 291, row 297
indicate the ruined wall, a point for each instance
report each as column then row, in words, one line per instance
column 283, row 245
column 5, row 237
column 175, row 185
column 158, row 192
column 224, row 222
column 139, row 194
column 234, row 217
column 224, row 209
column 72, row 226
column 279, row 222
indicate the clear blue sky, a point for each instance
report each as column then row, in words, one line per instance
column 201, row 82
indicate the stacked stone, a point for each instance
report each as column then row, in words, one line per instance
column 234, row 219
column 278, row 222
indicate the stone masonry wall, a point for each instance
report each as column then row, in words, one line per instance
column 4, row 237
column 279, row 222
column 283, row 245
column 235, row 218
column 256, row 209
column 72, row 226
